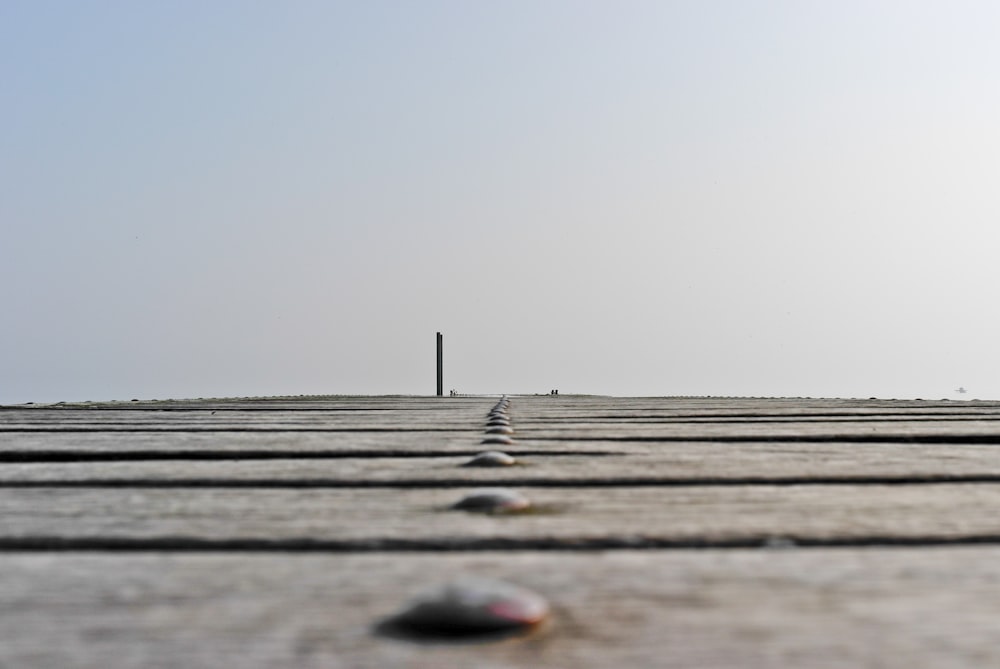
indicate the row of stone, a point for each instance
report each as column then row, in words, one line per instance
column 495, row 500
column 498, row 433
column 474, row 606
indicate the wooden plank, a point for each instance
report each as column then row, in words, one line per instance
column 917, row 451
column 666, row 463
column 389, row 418
column 246, row 442
column 331, row 561
column 610, row 516
column 882, row 431
column 382, row 411
column 534, row 420
column 367, row 437
column 451, row 419
column 813, row 608
column 634, row 410
column 294, row 403
column 372, row 411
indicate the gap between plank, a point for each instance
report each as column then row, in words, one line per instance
column 139, row 456
column 619, row 482
column 306, row 545
column 878, row 438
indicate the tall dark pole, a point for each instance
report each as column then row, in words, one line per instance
column 440, row 365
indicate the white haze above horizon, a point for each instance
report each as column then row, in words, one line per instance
column 776, row 198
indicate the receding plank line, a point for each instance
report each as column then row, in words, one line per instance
column 581, row 543
column 117, row 427
column 372, row 403
column 782, row 420
column 136, row 456
column 417, row 483
column 783, row 415
column 880, row 438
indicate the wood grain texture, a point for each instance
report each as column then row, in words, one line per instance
column 799, row 608
column 604, row 463
column 278, row 532
column 595, row 462
column 688, row 514
column 243, row 442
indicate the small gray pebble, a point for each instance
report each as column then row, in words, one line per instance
column 491, row 459
column 469, row 605
column 493, row 500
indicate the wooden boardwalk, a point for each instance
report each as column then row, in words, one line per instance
column 669, row 532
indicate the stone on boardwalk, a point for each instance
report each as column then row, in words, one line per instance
column 280, row 531
column 493, row 500
column 492, row 459
column 470, row 606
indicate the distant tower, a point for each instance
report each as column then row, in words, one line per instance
column 440, row 365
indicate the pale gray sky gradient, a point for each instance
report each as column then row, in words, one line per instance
column 635, row 198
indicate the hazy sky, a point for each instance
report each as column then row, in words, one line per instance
column 653, row 198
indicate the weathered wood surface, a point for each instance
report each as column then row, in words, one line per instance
column 913, row 608
column 567, row 516
column 242, row 444
column 599, row 464
column 278, row 532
